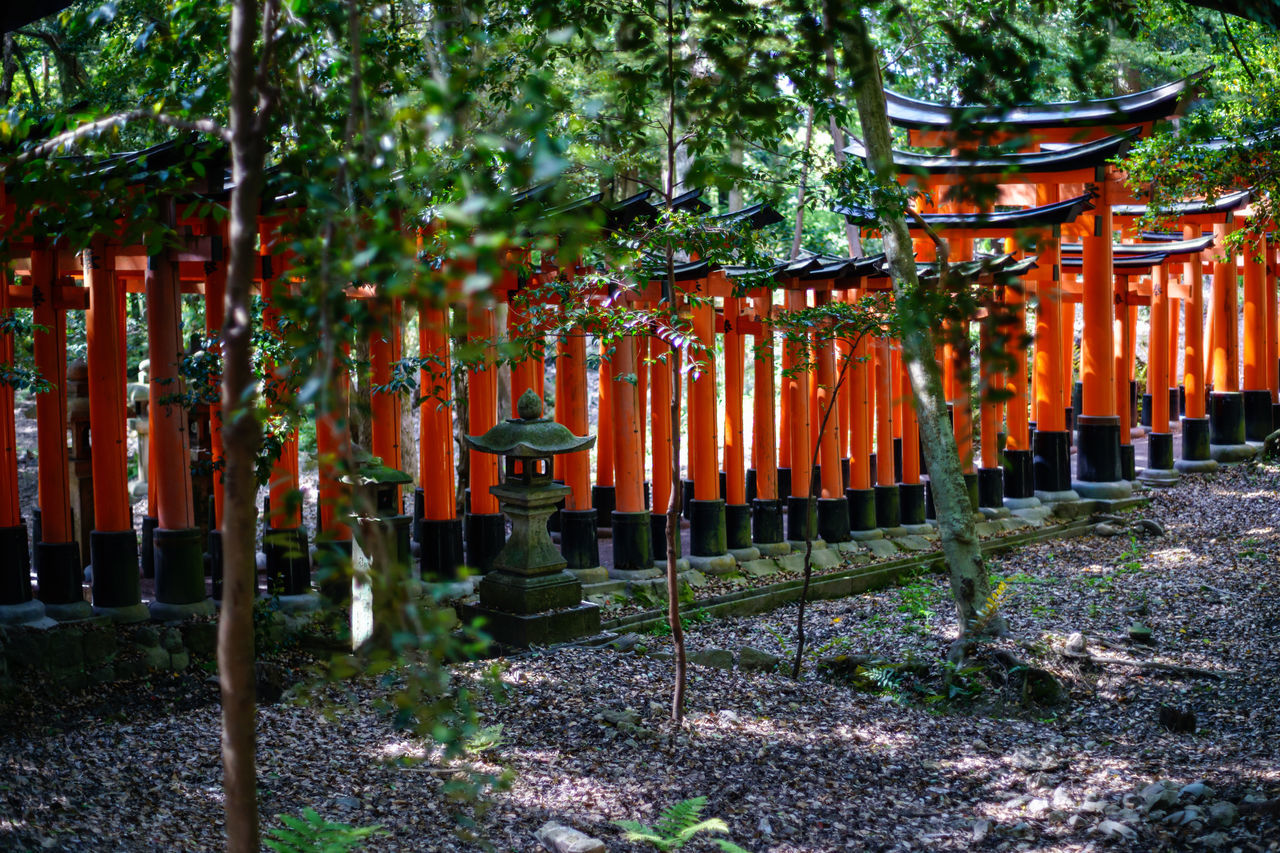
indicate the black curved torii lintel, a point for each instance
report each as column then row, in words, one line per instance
column 1163, row 247
column 1122, row 265
column 1089, row 155
column 1138, row 107
column 1223, row 204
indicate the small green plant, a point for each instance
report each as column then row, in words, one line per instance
column 313, row 834
column 782, row 640
column 662, row 628
column 486, row 738
column 914, row 600
column 990, row 608
column 1129, row 559
column 676, row 825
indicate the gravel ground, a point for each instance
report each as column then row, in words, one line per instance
column 829, row 762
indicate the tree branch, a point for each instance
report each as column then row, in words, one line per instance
column 48, row 147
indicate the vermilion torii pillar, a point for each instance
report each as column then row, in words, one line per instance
column 801, row 524
column 1273, row 335
column 911, row 502
column 17, row 606
column 632, row 533
column 284, row 542
column 1098, row 424
column 1019, row 480
column 57, row 554
column 990, row 474
column 766, row 509
column 660, row 434
column 859, row 493
column 833, row 506
column 708, row 536
column 737, row 512
column 1196, row 456
column 113, row 544
column 439, row 529
column 604, row 493
column 886, row 488
column 215, row 290
column 485, row 526
column 1227, row 432
column 1159, row 470
column 1125, row 330
column 179, row 557
column 1256, row 396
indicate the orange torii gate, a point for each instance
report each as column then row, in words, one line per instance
column 1059, row 131
column 1220, row 422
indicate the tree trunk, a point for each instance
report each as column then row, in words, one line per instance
column 970, row 584
column 241, row 439
column 673, row 181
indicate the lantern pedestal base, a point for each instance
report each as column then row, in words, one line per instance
column 533, row 611
column 538, row 629
column 529, row 595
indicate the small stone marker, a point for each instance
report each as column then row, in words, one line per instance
column 559, row 838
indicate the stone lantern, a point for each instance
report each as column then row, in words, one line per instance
column 528, row 598
column 378, row 484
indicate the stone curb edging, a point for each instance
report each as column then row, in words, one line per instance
column 838, row 584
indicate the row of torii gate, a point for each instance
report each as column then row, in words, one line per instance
column 1063, row 201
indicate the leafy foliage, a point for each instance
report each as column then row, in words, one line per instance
column 677, row 824
column 311, row 833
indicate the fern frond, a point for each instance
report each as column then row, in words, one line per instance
column 714, row 824
column 989, row 608
column 728, row 846
column 678, row 817
column 636, row 831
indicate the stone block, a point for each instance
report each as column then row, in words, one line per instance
column 536, row 629
column 65, row 649
column 558, row 838
column 200, row 638
column 99, row 646
column 913, row 543
column 755, row 660
column 714, row 658
column 881, row 548
column 156, row 658
column 171, row 640
column 761, row 568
